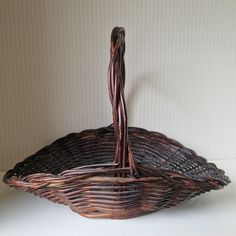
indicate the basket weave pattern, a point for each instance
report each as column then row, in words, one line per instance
column 116, row 171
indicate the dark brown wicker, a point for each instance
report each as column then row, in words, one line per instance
column 116, row 171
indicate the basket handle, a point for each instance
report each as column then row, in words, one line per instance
column 116, row 83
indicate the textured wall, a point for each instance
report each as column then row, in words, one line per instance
column 180, row 61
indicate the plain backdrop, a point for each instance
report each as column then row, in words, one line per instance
column 180, row 64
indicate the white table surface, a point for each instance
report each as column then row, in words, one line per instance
column 212, row 213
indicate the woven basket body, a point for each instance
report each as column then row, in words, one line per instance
column 116, row 171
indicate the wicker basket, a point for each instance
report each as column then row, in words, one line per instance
column 116, row 171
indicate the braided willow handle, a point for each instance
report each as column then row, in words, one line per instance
column 116, row 83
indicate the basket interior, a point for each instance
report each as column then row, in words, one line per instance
column 150, row 149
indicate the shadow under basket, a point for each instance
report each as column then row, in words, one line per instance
column 116, row 171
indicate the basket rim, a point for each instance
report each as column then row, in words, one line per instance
column 37, row 180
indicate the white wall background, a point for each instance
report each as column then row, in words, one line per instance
column 180, row 60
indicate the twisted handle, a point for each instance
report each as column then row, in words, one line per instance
column 116, row 83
